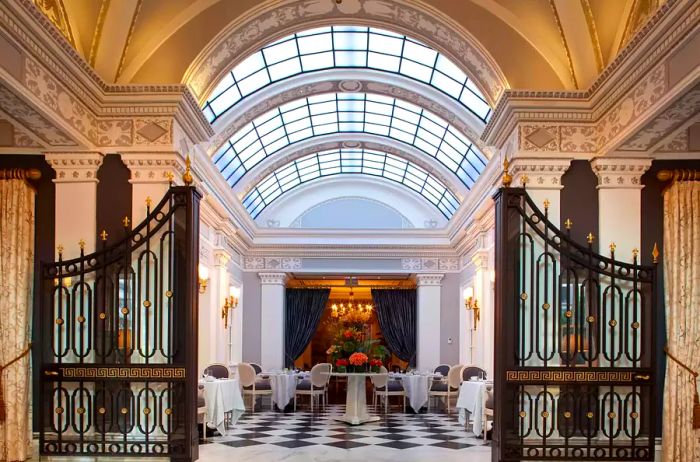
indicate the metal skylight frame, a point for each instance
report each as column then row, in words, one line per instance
column 338, row 47
column 350, row 162
column 349, row 113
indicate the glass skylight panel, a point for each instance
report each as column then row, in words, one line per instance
column 322, row 114
column 349, row 161
column 344, row 46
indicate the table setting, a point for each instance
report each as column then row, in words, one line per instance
column 284, row 385
column 416, row 385
column 471, row 399
column 222, row 396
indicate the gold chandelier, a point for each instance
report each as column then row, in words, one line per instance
column 351, row 311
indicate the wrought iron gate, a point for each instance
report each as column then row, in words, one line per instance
column 119, row 341
column 575, row 346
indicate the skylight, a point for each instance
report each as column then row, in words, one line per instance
column 349, row 113
column 345, row 47
column 350, row 161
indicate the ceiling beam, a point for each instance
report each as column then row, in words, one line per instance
column 113, row 37
column 580, row 39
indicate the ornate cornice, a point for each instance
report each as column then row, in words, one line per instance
column 538, row 173
column 273, row 278
column 620, row 173
column 154, row 167
column 75, row 167
column 423, row 280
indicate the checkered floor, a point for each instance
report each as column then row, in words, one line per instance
column 303, row 429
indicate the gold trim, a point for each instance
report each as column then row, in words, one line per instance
column 103, row 316
column 59, row 410
column 522, row 414
column 59, row 321
column 102, row 410
column 567, row 415
column 168, row 293
column 590, row 319
column 593, row 32
column 81, row 319
column 125, row 310
column 137, row 10
column 523, row 296
column 568, row 313
column 563, row 41
column 546, row 306
column 61, row 22
column 569, row 376
column 589, row 415
column 101, row 16
column 612, row 323
column 123, row 372
column 168, row 411
column 147, row 303
column 20, row 174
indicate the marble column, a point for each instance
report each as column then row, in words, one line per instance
column 542, row 179
column 428, row 320
column 272, row 301
column 620, row 204
column 76, row 200
column 150, row 177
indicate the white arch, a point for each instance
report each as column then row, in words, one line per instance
column 274, row 20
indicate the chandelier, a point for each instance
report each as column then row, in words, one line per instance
column 351, row 311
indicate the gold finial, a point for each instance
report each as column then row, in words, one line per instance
column 125, row 222
column 612, row 247
column 103, row 235
column 81, row 243
column 169, row 176
column 655, row 254
column 60, row 249
column 187, row 176
column 546, row 204
column 524, row 180
column 635, row 252
column 507, row 178
column 590, row 238
column 148, row 201
column 568, row 223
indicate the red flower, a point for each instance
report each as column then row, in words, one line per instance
column 341, row 362
column 348, row 334
column 358, row 359
column 376, row 362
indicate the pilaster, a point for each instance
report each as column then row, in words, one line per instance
column 429, row 287
column 541, row 176
column 272, row 302
column 619, row 203
column 76, row 199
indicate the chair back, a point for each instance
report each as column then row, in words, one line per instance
column 217, row 370
column 472, row 371
column 380, row 381
column 317, row 378
column 454, row 376
column 246, row 374
column 256, row 368
column 443, row 369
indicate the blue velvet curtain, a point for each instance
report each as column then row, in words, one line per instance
column 303, row 312
column 396, row 312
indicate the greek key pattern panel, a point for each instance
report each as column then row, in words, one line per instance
column 155, row 373
column 569, row 376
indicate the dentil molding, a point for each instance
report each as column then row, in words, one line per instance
column 154, row 167
column 429, row 279
column 539, row 173
column 273, row 278
column 620, row 173
column 80, row 167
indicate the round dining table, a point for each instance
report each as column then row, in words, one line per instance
column 356, row 412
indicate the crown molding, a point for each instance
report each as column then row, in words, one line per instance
column 75, row 167
column 620, row 173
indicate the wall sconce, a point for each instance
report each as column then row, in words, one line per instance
column 471, row 304
column 203, row 278
column 230, row 303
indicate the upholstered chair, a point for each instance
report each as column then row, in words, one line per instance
column 252, row 386
column 315, row 386
column 217, row 370
column 447, row 389
column 472, row 371
column 384, row 388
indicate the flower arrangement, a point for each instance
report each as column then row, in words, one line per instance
column 358, row 359
column 375, row 364
column 341, row 365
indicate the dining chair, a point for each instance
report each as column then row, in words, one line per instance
column 384, row 388
column 217, row 370
column 472, row 371
column 253, row 386
column 447, row 389
column 442, row 369
column 315, row 385
column 487, row 408
column 257, row 367
column 202, row 412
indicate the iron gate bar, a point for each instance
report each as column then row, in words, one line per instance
column 574, row 343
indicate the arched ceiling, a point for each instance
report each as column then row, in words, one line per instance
column 535, row 44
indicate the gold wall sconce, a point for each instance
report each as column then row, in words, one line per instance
column 230, row 303
column 203, row 278
column 471, row 304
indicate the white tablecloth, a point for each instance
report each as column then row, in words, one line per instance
column 416, row 388
column 471, row 398
column 222, row 396
column 284, row 386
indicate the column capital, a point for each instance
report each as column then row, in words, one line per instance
column 620, row 172
column 538, row 172
column 480, row 259
column 429, row 279
column 75, row 167
column 272, row 278
column 221, row 257
column 154, row 167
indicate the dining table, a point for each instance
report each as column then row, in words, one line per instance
column 416, row 387
column 222, row 396
column 284, row 386
column 356, row 412
column 471, row 400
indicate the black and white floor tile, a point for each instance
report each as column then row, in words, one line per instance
column 317, row 436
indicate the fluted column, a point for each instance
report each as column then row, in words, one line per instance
column 620, row 204
column 428, row 320
column 76, row 200
column 272, row 303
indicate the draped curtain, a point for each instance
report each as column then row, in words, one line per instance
column 303, row 312
column 396, row 312
column 682, row 275
column 16, row 270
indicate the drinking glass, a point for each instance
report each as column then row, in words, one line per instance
column 481, row 376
